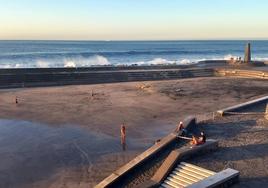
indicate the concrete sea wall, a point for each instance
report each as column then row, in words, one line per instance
column 37, row 77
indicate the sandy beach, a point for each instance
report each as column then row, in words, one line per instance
column 70, row 136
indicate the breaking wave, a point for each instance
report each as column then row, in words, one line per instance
column 98, row 60
column 57, row 62
column 162, row 61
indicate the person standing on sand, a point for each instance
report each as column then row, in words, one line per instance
column 123, row 137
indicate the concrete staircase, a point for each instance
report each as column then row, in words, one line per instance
column 186, row 174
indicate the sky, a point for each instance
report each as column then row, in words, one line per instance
column 133, row 19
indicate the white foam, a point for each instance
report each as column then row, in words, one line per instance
column 185, row 62
column 261, row 59
column 42, row 64
column 160, row 61
column 86, row 62
column 6, row 66
column 69, row 64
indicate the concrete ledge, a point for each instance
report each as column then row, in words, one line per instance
column 142, row 158
column 224, row 178
column 242, row 106
column 182, row 154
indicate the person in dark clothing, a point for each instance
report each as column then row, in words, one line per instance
column 202, row 138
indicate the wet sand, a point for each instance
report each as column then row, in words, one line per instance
column 69, row 136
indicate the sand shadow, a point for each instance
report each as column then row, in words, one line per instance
column 227, row 129
column 252, row 182
column 242, row 152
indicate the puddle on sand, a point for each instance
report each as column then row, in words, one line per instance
column 32, row 152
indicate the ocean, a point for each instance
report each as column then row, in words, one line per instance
column 43, row 54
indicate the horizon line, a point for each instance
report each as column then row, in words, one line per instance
column 139, row 40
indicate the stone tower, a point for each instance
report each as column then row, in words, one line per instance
column 247, row 53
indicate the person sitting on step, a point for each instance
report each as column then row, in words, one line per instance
column 198, row 140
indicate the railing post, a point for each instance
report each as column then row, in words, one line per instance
column 266, row 112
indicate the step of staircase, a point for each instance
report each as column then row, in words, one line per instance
column 186, row 174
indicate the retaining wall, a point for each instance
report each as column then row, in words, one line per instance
column 52, row 77
column 16, row 78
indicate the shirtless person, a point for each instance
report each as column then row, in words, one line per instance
column 123, row 137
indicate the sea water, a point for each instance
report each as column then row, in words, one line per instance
column 43, row 54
